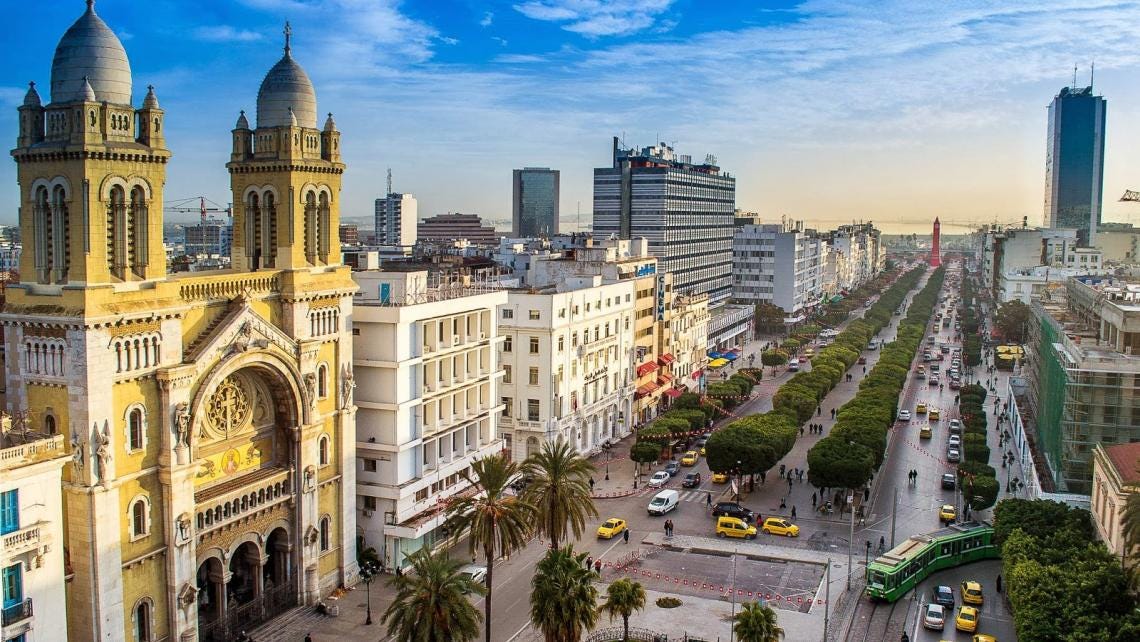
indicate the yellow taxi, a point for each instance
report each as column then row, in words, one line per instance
column 720, row 478
column 933, row 414
column 925, row 432
column 920, row 409
column 702, row 451
column 780, row 526
column 967, row 619
column 972, row 593
column 612, row 526
column 690, row 458
column 982, row 637
column 810, row 352
column 734, row 527
column 947, row 514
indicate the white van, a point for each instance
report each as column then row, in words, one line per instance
column 664, row 502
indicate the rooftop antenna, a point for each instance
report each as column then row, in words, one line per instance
column 1092, row 73
column 579, row 219
column 1074, row 76
column 389, row 181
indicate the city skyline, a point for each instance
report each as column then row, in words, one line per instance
column 503, row 85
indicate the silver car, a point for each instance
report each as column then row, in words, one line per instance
column 934, row 617
column 659, row 478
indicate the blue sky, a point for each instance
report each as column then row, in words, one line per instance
column 826, row 110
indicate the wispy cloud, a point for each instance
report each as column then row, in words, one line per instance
column 448, row 40
column 517, row 59
column 595, row 18
column 225, row 33
column 488, row 18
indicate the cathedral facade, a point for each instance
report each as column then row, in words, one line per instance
column 208, row 415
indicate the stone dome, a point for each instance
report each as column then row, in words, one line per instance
column 89, row 52
column 286, row 89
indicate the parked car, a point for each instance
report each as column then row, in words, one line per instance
column 948, row 481
column 862, row 361
column 780, row 526
column 953, row 456
column 732, row 509
column 475, row 573
column 955, row 426
column 692, row 480
column 904, row 415
column 734, row 527
column 955, row 441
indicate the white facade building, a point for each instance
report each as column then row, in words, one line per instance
column 779, row 264
column 689, row 336
column 427, row 395
column 396, row 220
column 567, row 355
column 31, row 536
column 860, row 255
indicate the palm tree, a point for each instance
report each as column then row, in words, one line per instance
column 623, row 598
column 431, row 603
column 494, row 521
column 563, row 598
column 559, row 491
column 756, row 623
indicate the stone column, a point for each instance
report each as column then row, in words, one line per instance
column 221, row 594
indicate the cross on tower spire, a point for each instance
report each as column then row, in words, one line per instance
column 288, row 35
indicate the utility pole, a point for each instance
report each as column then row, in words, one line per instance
column 851, row 537
column 826, row 597
column 894, row 516
column 732, row 630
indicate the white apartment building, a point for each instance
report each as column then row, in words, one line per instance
column 688, row 340
column 31, row 537
column 567, row 355
column 861, row 255
column 426, row 377
column 780, row 264
column 395, row 220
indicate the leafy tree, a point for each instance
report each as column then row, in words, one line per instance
column 769, row 318
column 492, row 519
column 624, row 597
column 563, row 598
column 696, row 418
column 1011, row 321
column 431, row 603
column 559, row 490
column 655, row 434
column 791, row 345
column 837, row 463
column 741, row 442
column 756, row 623
column 688, row 400
column 982, row 491
column 1039, row 518
column 678, row 427
column 645, row 452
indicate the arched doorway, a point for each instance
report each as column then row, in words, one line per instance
column 532, row 446
column 211, row 583
column 279, row 570
column 245, row 575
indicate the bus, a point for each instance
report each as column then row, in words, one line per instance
column 896, row 572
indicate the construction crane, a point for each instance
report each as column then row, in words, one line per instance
column 202, row 209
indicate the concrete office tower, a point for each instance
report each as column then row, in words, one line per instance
column 936, row 245
column 396, row 220
column 685, row 210
column 1074, row 162
column 535, row 202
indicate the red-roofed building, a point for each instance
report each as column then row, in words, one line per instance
column 1116, row 474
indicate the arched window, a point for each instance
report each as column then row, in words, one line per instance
column 269, row 225
column 253, row 230
column 41, row 223
column 140, row 518
column 323, row 222
column 116, row 232
column 49, row 424
column 60, row 236
column 312, row 227
column 142, row 618
column 136, row 429
column 326, row 533
column 323, row 450
column 322, row 381
column 136, row 233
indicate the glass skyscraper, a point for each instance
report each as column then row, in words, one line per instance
column 535, row 202
column 1074, row 162
column 684, row 209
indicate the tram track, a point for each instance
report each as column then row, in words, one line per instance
column 871, row 621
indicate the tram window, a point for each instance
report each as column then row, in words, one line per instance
column 945, row 549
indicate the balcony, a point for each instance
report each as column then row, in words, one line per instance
column 31, row 453
column 243, row 497
column 22, row 540
column 18, row 612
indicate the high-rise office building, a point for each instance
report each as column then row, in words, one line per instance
column 396, row 219
column 209, row 237
column 535, row 202
column 685, row 210
column 1074, row 162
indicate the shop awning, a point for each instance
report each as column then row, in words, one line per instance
column 731, row 356
column 664, row 378
column 713, row 354
column 697, row 374
column 646, row 368
column 674, row 392
column 718, row 363
column 646, row 389
column 666, row 359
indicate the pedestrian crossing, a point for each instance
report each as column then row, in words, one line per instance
column 695, row 495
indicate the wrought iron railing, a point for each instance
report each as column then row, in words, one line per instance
column 18, row 612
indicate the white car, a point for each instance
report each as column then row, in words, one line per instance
column 934, row 617
column 659, row 479
column 475, row 572
column 955, row 426
column 904, row 415
column 955, row 441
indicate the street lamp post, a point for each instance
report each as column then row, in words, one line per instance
column 851, row 536
column 368, row 573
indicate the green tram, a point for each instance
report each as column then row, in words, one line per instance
column 898, row 571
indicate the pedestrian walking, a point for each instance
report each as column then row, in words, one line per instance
column 625, row 536
column 801, row 431
column 763, row 474
column 789, row 483
column 813, row 500
column 598, row 565
column 999, row 583
column 708, row 495
column 793, row 511
column 308, row 637
column 818, row 410
column 866, row 494
column 591, row 484
column 882, row 543
column 590, row 558
column 782, row 504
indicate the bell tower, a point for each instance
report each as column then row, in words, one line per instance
column 286, row 177
column 91, row 171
